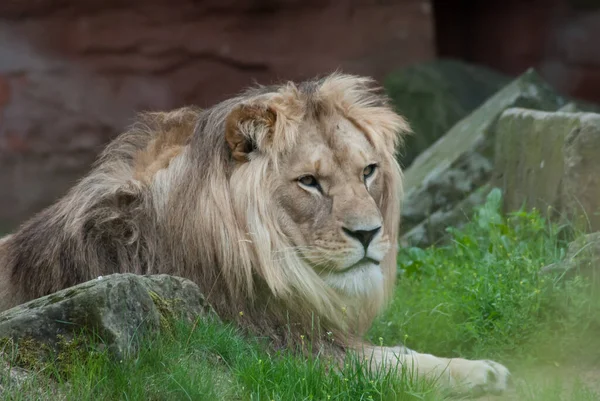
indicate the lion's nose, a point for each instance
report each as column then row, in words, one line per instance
column 364, row 236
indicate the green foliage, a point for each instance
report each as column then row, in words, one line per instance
column 30, row 354
column 211, row 361
column 482, row 295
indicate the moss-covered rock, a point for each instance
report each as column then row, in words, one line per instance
column 34, row 355
column 115, row 310
column 550, row 161
column 582, row 258
column 23, row 384
column 462, row 160
column 434, row 96
column 529, row 156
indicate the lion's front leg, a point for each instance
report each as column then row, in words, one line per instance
column 458, row 375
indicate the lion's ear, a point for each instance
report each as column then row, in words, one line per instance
column 246, row 127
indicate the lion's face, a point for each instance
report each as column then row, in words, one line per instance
column 329, row 192
column 322, row 155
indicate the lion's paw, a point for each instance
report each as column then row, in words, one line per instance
column 480, row 377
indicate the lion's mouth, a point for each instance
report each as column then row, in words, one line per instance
column 364, row 261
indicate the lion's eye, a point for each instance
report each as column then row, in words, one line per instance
column 369, row 170
column 309, row 181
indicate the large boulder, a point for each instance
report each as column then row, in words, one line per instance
column 461, row 161
column 435, row 95
column 119, row 309
column 550, row 161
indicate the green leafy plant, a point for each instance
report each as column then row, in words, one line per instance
column 482, row 294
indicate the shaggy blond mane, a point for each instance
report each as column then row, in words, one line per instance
column 167, row 197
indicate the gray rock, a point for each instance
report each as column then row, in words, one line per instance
column 21, row 384
column 529, row 160
column 444, row 191
column 583, row 258
column 433, row 229
column 120, row 309
column 550, row 161
column 575, row 106
column 570, row 107
column 10, row 377
column 586, row 106
column 435, row 95
column 462, row 160
column 580, row 198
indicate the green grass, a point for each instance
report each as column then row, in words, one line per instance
column 214, row 362
column 483, row 296
column 479, row 297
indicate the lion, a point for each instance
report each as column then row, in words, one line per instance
column 282, row 203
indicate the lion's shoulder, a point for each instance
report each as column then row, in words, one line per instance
column 149, row 144
column 167, row 133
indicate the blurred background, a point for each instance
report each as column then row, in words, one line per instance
column 74, row 72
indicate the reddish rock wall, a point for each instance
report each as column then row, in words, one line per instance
column 73, row 72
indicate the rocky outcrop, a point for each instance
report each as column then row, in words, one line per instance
column 19, row 383
column 119, row 309
column 550, row 161
column 582, row 258
column 74, row 72
column 435, row 95
column 433, row 229
column 441, row 184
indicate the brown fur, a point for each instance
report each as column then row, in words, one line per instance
column 213, row 196
column 176, row 129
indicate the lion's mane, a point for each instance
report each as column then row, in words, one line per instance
column 165, row 197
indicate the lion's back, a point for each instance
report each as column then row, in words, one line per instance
column 107, row 213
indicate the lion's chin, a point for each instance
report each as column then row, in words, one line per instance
column 364, row 278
